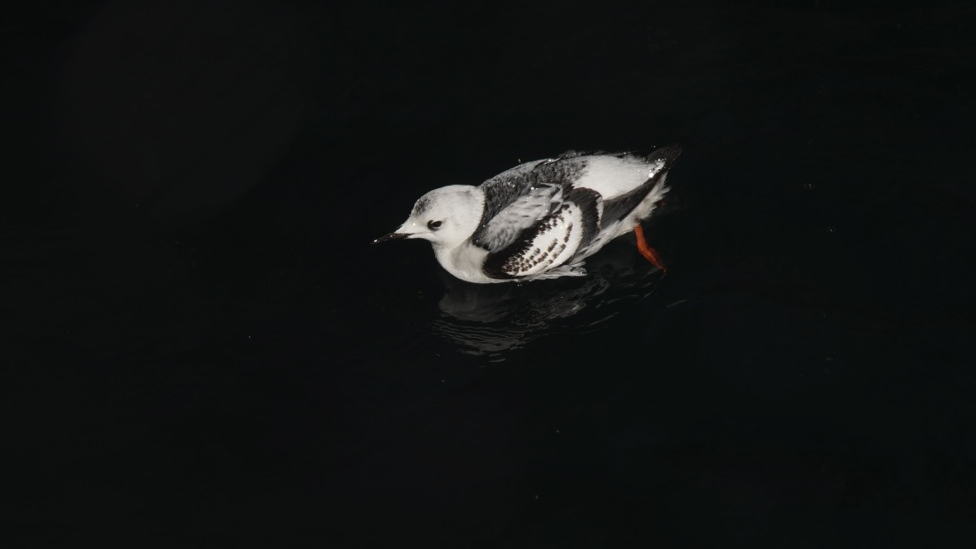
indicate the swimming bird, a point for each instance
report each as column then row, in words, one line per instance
column 541, row 219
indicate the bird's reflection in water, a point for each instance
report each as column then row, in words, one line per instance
column 491, row 319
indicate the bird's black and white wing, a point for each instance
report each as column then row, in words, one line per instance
column 550, row 242
column 505, row 188
column 507, row 226
column 514, row 199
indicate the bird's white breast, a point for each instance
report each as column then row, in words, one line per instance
column 464, row 262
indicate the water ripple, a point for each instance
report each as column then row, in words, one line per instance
column 491, row 320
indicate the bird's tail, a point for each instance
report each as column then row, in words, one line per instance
column 668, row 155
column 640, row 202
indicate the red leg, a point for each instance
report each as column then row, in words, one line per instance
column 648, row 252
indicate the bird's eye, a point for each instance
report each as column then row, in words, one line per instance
column 434, row 225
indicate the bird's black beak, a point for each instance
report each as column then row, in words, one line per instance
column 391, row 236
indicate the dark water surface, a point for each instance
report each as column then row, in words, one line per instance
column 202, row 349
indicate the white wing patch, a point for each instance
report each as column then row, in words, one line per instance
column 525, row 211
column 612, row 177
column 555, row 243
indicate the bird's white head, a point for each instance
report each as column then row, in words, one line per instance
column 446, row 217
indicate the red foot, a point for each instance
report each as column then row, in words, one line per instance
column 648, row 252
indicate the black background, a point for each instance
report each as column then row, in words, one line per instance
column 203, row 350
